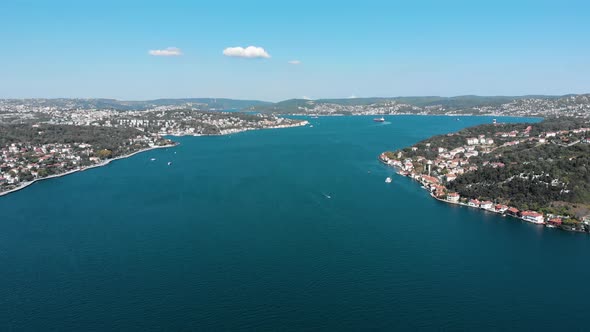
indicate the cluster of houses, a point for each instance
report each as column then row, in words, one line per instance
column 531, row 216
column 449, row 164
column 24, row 162
column 440, row 192
column 21, row 161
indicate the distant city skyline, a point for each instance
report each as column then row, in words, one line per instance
column 141, row 50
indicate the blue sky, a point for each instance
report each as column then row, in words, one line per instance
column 363, row 48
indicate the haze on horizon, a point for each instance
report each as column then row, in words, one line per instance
column 140, row 50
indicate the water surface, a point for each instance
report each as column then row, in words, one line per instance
column 290, row 229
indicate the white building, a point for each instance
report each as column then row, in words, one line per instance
column 453, row 197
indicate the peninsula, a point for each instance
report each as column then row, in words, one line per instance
column 41, row 139
column 537, row 172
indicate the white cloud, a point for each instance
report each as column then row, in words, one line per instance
column 170, row 51
column 295, row 62
column 248, row 52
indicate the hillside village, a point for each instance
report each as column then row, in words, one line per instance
column 440, row 162
column 26, row 160
column 44, row 141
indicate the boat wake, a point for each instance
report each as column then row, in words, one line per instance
column 386, row 123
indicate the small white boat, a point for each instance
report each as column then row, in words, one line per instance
column 388, row 179
column 153, row 159
column 169, row 163
column 310, row 126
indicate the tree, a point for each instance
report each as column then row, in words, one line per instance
column 104, row 154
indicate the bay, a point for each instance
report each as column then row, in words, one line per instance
column 290, row 229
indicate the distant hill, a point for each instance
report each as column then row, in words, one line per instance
column 468, row 104
column 103, row 103
column 429, row 104
column 212, row 103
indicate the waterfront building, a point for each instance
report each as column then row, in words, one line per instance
column 453, row 197
column 532, row 216
column 486, row 205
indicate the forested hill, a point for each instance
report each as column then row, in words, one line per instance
column 533, row 105
column 204, row 104
column 543, row 166
column 571, row 105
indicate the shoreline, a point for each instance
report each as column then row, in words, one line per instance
column 108, row 161
column 237, row 131
column 423, row 186
column 101, row 164
column 415, row 114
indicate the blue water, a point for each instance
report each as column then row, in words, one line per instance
column 239, row 234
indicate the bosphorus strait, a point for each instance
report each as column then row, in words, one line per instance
column 290, row 229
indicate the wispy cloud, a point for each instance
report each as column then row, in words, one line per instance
column 294, row 62
column 170, row 51
column 248, row 52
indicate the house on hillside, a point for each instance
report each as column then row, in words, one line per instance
column 451, row 177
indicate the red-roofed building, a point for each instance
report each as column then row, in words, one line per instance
column 430, row 179
column 532, row 216
column 473, row 202
column 501, row 208
column 512, row 211
column 451, row 177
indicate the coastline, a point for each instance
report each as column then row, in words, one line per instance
column 503, row 214
column 241, row 130
column 103, row 163
column 537, row 116
column 108, row 161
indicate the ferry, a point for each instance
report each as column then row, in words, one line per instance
column 388, row 179
column 381, row 119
